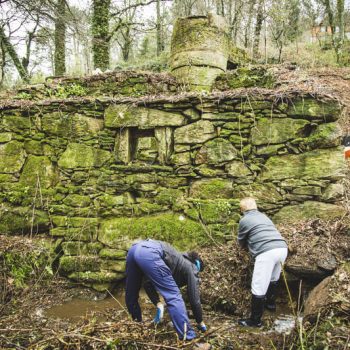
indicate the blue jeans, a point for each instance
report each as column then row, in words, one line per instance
column 146, row 258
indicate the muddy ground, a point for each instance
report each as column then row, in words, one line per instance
column 26, row 322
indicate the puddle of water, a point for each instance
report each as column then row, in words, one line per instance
column 76, row 308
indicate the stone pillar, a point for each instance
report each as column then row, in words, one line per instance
column 199, row 50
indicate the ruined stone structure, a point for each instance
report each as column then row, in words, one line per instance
column 97, row 162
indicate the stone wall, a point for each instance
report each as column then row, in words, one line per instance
column 97, row 172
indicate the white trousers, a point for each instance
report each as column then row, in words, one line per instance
column 267, row 268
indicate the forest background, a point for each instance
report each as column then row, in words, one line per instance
column 41, row 38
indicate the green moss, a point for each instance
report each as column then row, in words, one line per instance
column 16, row 123
column 67, row 90
column 325, row 136
column 69, row 264
column 110, row 253
column 39, row 171
column 77, row 200
column 168, row 227
column 217, row 211
column 12, row 157
column 114, row 265
column 65, row 221
column 169, row 196
column 245, row 77
column 81, row 156
column 5, row 137
column 85, row 234
column 211, row 189
column 81, row 248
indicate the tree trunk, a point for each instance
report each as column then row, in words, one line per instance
column 100, row 33
column 341, row 19
column 247, row 31
column 13, row 54
column 60, row 38
column 160, row 37
column 258, row 27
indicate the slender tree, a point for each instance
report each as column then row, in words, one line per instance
column 60, row 38
column 100, row 33
column 9, row 48
column 258, row 27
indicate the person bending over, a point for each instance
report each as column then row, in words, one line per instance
column 269, row 249
column 165, row 270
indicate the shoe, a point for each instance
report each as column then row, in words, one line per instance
column 257, row 309
column 202, row 346
column 270, row 301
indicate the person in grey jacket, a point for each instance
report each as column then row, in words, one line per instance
column 269, row 249
column 165, row 270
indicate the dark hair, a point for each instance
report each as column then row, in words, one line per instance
column 193, row 256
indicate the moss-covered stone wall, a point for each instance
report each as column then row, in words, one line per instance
column 97, row 172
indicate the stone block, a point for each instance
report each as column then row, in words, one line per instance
column 79, row 263
column 114, row 265
column 110, row 253
column 264, row 193
column 78, row 155
column 39, row 171
column 75, row 234
column 77, row 200
column 123, row 116
column 309, row 210
column 274, row 131
column 12, row 157
column 81, row 248
column 5, row 137
column 97, row 278
column 198, row 132
column 237, row 169
column 311, row 108
column 318, row 164
column 215, row 152
column 325, row 136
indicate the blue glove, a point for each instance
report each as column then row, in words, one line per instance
column 159, row 314
column 202, row 327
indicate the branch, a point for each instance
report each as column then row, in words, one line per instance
column 118, row 13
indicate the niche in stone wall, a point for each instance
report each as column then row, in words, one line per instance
column 150, row 146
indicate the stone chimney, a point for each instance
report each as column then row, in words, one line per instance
column 199, row 50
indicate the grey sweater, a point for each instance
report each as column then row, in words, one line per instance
column 185, row 273
column 259, row 233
